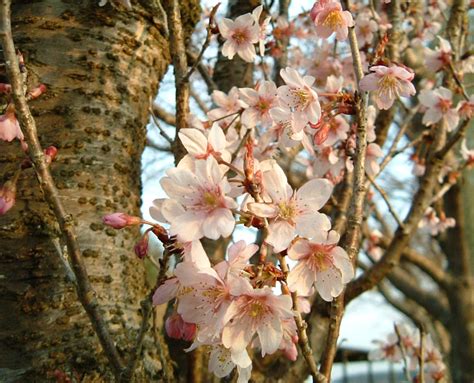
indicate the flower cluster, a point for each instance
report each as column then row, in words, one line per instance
column 405, row 345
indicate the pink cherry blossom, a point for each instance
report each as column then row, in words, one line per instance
column 240, row 36
column 329, row 163
column 292, row 212
column 286, row 126
column 256, row 13
column 388, row 83
column 331, row 131
column 7, row 196
column 373, row 152
column 9, row 126
column 387, row 350
column 228, row 104
column 440, row 57
column 467, row 154
column 222, row 361
column 320, row 263
column 365, row 27
column 198, row 206
column 329, row 17
column 167, row 291
column 258, row 103
column 439, row 107
column 200, row 147
column 205, row 299
column 255, row 312
column 299, row 95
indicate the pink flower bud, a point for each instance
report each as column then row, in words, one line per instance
column 50, row 153
column 177, row 328
column 120, row 220
column 7, row 196
column 141, row 248
column 291, row 352
column 36, row 92
column 5, row 88
column 9, row 126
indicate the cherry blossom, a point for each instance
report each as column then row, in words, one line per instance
column 329, row 18
column 439, row 107
column 256, row 13
column 200, row 147
column 259, row 102
column 320, row 263
column 373, row 152
column 365, row 27
column 255, row 311
column 285, row 125
column 467, row 154
column 228, row 104
column 387, row 350
column 222, row 361
column 436, row 59
column 9, row 126
column 388, row 83
column 299, row 95
column 7, row 197
column 292, row 212
column 198, row 206
column 240, row 36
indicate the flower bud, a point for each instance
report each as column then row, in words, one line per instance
column 7, row 196
column 141, row 248
column 177, row 328
column 36, row 92
column 50, row 153
column 291, row 352
column 5, row 88
column 120, row 220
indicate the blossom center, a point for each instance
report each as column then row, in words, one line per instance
column 287, row 210
column 333, row 20
column 256, row 309
column 302, row 97
column 322, row 260
column 210, row 199
column 387, row 83
column 240, row 36
column 444, row 105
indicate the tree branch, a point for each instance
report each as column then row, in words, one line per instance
column 180, row 64
column 85, row 292
column 351, row 242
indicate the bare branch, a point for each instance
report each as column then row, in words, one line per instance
column 180, row 64
column 351, row 242
column 164, row 115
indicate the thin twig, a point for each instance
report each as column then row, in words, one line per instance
column 160, row 128
column 180, row 64
column 207, row 41
column 85, row 292
column 386, row 199
column 421, row 354
column 146, row 309
column 403, row 351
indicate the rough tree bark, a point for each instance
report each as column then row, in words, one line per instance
column 101, row 66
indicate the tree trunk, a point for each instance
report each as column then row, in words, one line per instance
column 102, row 66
